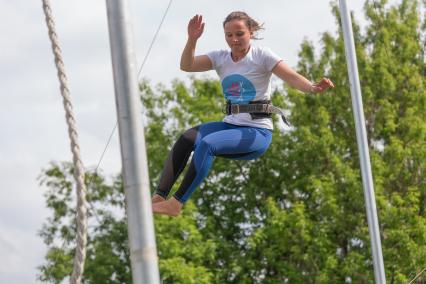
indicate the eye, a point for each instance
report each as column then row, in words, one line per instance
column 240, row 33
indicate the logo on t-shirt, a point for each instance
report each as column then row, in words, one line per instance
column 238, row 89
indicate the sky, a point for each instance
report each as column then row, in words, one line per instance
column 32, row 121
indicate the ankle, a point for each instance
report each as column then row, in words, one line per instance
column 157, row 198
column 174, row 206
column 176, row 202
column 171, row 207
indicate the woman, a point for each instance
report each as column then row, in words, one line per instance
column 246, row 132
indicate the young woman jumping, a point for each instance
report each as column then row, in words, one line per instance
column 245, row 133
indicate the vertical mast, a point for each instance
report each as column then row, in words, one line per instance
column 143, row 251
column 361, row 134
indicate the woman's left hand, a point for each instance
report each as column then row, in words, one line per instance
column 322, row 86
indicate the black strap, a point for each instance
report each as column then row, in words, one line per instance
column 257, row 109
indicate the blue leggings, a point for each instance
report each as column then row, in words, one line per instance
column 214, row 139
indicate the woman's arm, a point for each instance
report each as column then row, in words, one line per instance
column 295, row 80
column 189, row 62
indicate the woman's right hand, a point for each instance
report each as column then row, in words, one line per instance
column 195, row 27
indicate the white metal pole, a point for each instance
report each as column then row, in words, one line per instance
column 361, row 134
column 143, row 251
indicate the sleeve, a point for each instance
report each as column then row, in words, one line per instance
column 216, row 58
column 270, row 59
column 213, row 55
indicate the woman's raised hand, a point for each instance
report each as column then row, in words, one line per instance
column 195, row 27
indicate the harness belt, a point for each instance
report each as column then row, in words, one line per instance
column 257, row 109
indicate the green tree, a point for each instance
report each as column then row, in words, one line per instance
column 321, row 173
column 296, row 215
column 186, row 255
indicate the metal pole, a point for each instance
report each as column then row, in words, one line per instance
column 361, row 134
column 143, row 252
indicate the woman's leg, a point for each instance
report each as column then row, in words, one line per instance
column 235, row 142
column 179, row 155
column 175, row 163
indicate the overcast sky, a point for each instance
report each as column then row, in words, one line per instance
column 32, row 122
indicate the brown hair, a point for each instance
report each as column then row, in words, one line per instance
column 253, row 25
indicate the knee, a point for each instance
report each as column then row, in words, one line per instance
column 187, row 139
column 189, row 136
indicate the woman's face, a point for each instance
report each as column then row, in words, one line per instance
column 238, row 36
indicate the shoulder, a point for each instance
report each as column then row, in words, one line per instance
column 265, row 57
column 262, row 51
column 218, row 53
column 218, row 57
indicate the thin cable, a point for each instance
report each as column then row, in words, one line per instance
column 154, row 38
column 106, row 146
column 417, row 276
column 140, row 69
column 116, row 123
column 92, row 209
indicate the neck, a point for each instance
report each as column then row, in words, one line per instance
column 238, row 55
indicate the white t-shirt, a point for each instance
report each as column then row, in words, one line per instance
column 247, row 80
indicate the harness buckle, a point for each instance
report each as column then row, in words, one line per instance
column 235, row 108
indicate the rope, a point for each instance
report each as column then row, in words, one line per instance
column 80, row 253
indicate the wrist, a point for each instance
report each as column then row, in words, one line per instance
column 192, row 40
column 311, row 88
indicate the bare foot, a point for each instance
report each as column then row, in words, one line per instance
column 171, row 207
column 157, row 198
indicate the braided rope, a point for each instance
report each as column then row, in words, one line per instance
column 80, row 253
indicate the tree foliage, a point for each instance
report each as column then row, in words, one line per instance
column 297, row 214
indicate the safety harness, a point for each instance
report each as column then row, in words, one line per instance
column 257, row 109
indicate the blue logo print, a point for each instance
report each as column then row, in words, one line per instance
column 238, row 89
